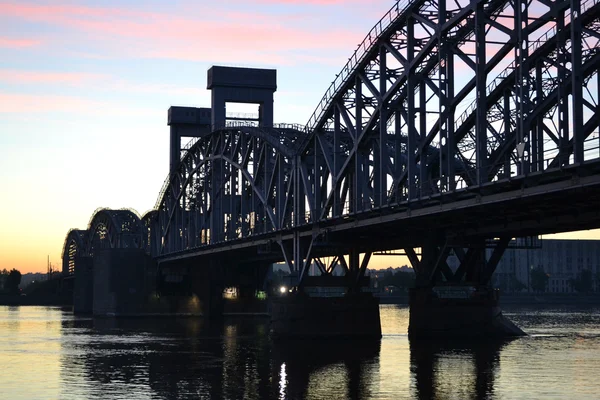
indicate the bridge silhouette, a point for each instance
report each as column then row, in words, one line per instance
column 452, row 129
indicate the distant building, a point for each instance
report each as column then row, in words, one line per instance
column 561, row 259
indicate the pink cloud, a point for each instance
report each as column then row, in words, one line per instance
column 27, row 103
column 310, row 2
column 19, row 103
column 221, row 33
column 70, row 78
column 18, row 43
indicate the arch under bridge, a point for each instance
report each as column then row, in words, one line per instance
column 454, row 127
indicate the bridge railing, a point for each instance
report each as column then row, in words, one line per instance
column 357, row 57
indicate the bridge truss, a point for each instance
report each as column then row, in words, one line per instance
column 454, row 126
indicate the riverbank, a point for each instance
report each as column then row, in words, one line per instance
column 525, row 299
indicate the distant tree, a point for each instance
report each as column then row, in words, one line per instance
column 583, row 282
column 12, row 281
column 539, row 279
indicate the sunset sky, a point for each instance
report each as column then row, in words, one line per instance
column 85, row 87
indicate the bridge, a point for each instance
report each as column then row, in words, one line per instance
column 453, row 128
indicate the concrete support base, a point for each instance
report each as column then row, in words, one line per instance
column 302, row 316
column 458, row 312
column 124, row 284
column 83, row 286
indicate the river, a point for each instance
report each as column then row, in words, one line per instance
column 47, row 353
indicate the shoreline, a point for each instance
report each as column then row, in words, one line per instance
column 522, row 299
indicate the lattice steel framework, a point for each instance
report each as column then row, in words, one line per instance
column 442, row 98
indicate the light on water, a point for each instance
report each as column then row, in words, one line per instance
column 48, row 353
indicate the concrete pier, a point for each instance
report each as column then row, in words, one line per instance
column 351, row 316
column 83, row 286
column 458, row 311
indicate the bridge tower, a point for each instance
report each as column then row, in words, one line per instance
column 187, row 122
column 241, row 85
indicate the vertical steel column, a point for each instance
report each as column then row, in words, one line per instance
column 233, row 215
column 446, row 85
column 337, row 162
column 280, row 192
column 207, row 184
column 268, row 169
column 398, row 151
column 424, row 184
column 562, row 97
column 481, row 95
column 318, row 180
column 381, row 157
column 243, row 197
column 577, row 81
column 410, row 99
column 354, row 263
column 522, row 84
column 174, row 148
column 254, row 154
column 537, row 138
column 355, row 192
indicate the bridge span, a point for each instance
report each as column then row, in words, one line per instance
column 454, row 127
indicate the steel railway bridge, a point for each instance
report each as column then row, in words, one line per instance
column 454, row 127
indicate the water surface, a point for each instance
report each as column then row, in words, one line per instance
column 47, row 353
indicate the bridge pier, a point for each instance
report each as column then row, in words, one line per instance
column 457, row 302
column 321, row 304
column 459, row 312
column 83, row 285
column 207, row 284
column 302, row 316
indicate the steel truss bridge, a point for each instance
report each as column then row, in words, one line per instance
column 454, row 127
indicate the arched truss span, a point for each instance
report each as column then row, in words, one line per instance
column 455, row 94
column 74, row 246
column 114, row 229
column 231, row 184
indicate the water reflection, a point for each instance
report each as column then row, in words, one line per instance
column 53, row 354
column 325, row 368
column 190, row 358
column 454, row 369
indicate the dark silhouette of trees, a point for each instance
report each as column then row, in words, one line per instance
column 11, row 279
column 400, row 279
column 583, row 282
column 539, row 279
